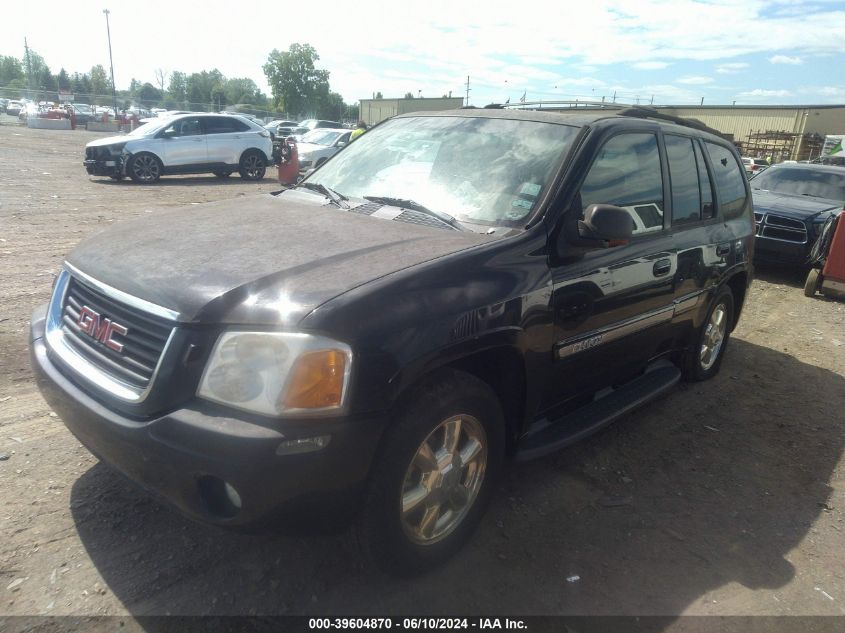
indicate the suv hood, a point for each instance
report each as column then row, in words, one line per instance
column 258, row 260
column 111, row 140
column 791, row 205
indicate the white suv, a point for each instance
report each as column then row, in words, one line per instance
column 185, row 144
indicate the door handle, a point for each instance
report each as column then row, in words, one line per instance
column 722, row 250
column 662, row 267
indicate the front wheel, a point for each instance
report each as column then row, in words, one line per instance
column 811, row 285
column 144, row 168
column 433, row 474
column 705, row 357
column 252, row 165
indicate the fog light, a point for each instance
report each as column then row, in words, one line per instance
column 303, row 445
column 232, row 495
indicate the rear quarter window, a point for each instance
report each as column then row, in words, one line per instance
column 729, row 179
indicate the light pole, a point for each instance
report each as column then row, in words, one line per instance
column 111, row 64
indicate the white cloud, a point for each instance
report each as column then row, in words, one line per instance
column 731, row 68
column 784, row 59
column 765, row 94
column 651, row 65
column 832, row 91
column 695, row 80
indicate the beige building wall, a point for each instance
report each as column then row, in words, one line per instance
column 374, row 111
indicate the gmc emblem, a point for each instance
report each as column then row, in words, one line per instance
column 92, row 324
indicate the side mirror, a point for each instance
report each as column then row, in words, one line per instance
column 341, row 144
column 606, row 222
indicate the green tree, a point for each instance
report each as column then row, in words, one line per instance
column 10, row 69
column 149, row 95
column 379, row 95
column 409, row 95
column 100, row 85
column 178, row 87
column 296, row 83
column 63, row 80
column 203, row 88
column 242, row 90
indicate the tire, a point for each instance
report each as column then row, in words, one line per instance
column 144, row 168
column 704, row 359
column 811, row 285
column 253, row 165
column 445, row 497
column 222, row 174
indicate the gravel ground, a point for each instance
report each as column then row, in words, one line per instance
column 723, row 498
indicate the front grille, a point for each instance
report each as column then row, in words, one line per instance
column 143, row 343
column 777, row 227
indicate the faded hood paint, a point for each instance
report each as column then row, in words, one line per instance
column 791, row 205
column 259, row 260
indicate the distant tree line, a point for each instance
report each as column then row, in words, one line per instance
column 299, row 88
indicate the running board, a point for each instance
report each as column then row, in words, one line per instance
column 590, row 418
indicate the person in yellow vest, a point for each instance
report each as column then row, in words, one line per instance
column 358, row 131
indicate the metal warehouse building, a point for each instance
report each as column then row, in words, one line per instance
column 376, row 110
column 782, row 132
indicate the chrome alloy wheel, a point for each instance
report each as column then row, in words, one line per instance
column 714, row 336
column 253, row 166
column 443, row 479
column 145, row 168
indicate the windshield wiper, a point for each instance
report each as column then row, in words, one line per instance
column 416, row 206
column 337, row 198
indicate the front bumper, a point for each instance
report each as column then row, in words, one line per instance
column 104, row 167
column 771, row 251
column 185, row 455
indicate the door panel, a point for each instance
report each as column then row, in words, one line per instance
column 184, row 143
column 613, row 306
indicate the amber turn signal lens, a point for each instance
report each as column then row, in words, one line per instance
column 316, row 381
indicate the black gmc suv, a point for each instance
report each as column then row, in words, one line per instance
column 451, row 289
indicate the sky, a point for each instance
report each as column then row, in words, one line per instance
column 665, row 52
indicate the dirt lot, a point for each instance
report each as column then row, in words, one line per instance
column 726, row 497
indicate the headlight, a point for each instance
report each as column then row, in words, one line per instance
column 277, row 373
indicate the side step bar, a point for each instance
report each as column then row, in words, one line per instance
column 590, row 418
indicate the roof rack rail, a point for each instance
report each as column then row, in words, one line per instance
column 646, row 112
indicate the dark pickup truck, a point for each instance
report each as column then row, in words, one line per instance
column 451, row 290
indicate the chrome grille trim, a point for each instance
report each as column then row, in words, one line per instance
column 61, row 344
column 780, row 228
column 122, row 297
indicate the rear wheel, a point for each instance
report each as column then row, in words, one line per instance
column 144, row 168
column 811, row 285
column 705, row 357
column 252, row 165
column 433, row 475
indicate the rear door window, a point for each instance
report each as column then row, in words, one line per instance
column 683, row 175
column 729, row 178
column 705, row 185
column 626, row 173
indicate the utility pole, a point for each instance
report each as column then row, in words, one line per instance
column 702, row 101
column 28, row 69
column 468, row 89
column 614, row 96
column 111, row 64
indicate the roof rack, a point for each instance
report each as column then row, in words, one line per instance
column 646, row 112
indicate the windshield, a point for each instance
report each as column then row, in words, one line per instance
column 482, row 170
column 148, row 128
column 819, row 183
column 321, row 137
